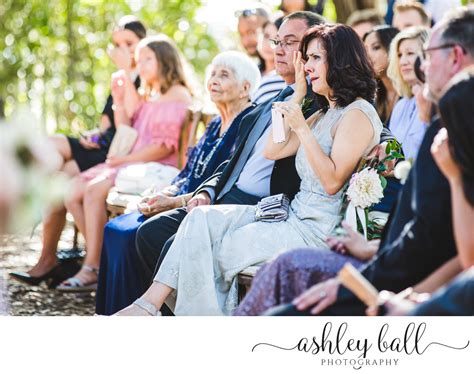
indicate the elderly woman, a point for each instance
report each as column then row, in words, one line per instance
column 232, row 79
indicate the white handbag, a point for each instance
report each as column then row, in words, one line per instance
column 136, row 178
column 123, row 141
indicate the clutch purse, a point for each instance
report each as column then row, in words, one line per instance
column 273, row 208
column 123, row 141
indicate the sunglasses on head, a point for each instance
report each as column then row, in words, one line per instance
column 250, row 12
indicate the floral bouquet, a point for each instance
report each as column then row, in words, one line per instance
column 365, row 189
column 30, row 181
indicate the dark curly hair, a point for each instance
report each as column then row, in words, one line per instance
column 349, row 71
column 457, row 112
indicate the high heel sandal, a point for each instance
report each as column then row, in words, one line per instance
column 24, row 277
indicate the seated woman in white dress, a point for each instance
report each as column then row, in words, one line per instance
column 214, row 243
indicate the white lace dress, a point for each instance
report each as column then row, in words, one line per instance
column 214, row 243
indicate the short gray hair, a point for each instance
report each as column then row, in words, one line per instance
column 457, row 26
column 242, row 66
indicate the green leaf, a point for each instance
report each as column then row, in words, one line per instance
column 397, row 155
column 383, row 181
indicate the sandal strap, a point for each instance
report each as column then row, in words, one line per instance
column 74, row 282
column 90, row 269
column 147, row 307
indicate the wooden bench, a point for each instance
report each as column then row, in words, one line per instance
column 244, row 280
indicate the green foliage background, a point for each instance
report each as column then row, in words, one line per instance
column 53, row 53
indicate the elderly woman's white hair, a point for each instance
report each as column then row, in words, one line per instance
column 243, row 67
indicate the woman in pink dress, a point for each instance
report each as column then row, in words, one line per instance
column 157, row 115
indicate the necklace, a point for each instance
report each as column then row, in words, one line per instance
column 201, row 164
column 154, row 95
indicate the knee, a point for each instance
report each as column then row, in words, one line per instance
column 197, row 214
column 95, row 193
column 61, row 144
column 73, row 199
column 295, row 259
column 111, row 229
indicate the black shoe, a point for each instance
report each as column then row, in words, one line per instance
column 69, row 263
column 24, row 277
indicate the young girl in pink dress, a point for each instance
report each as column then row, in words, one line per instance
column 157, row 115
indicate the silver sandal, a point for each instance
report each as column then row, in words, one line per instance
column 76, row 285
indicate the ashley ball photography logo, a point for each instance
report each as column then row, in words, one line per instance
column 334, row 345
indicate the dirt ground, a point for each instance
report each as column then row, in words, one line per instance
column 19, row 253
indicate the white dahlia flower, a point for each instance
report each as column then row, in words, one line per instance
column 365, row 188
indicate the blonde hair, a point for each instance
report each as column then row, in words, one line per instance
column 405, row 5
column 418, row 33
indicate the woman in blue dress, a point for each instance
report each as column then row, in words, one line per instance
column 233, row 79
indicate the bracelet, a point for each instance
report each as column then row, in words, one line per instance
column 183, row 202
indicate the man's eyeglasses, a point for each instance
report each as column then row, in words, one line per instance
column 444, row 46
column 285, row 44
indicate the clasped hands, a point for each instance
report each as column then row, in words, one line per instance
column 149, row 206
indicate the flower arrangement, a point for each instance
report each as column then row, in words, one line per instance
column 30, row 181
column 365, row 189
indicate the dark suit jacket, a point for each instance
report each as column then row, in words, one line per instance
column 284, row 178
column 417, row 239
